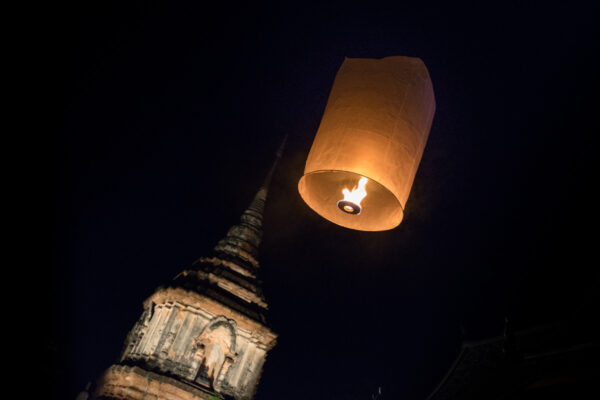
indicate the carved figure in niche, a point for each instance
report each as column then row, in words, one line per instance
column 215, row 346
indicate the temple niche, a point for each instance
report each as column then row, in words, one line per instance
column 204, row 336
column 215, row 344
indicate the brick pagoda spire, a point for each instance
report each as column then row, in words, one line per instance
column 205, row 336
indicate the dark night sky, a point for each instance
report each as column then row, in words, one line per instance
column 162, row 121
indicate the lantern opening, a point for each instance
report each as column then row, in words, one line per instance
column 380, row 210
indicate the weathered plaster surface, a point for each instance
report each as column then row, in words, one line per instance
column 175, row 331
column 135, row 383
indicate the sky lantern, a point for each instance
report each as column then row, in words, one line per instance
column 366, row 152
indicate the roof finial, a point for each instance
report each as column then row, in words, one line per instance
column 242, row 240
column 274, row 166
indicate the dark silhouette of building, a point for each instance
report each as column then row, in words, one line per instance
column 554, row 361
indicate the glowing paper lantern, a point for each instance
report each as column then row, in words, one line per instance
column 375, row 126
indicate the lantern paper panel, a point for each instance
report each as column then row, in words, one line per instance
column 375, row 125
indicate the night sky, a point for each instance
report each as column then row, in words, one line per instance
column 162, row 120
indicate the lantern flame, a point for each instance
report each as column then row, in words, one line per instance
column 351, row 202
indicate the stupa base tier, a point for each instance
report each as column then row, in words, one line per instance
column 133, row 383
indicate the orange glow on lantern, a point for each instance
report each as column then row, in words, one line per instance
column 375, row 127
